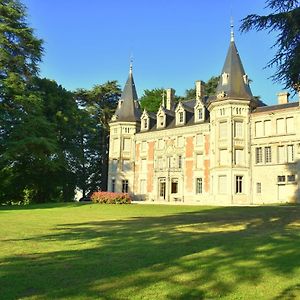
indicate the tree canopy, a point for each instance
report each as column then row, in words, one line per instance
column 285, row 21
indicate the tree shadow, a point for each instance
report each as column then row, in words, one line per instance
column 194, row 255
column 294, row 168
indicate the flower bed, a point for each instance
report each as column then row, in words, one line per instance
column 110, row 198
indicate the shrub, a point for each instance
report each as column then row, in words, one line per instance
column 110, row 198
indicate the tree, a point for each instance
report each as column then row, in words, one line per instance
column 98, row 105
column 209, row 88
column 286, row 21
column 152, row 99
column 27, row 139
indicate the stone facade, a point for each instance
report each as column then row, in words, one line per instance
column 227, row 149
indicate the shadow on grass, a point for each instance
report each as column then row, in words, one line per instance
column 195, row 255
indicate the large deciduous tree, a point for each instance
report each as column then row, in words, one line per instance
column 98, row 105
column 285, row 21
column 27, row 139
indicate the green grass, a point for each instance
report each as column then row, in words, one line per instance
column 83, row 251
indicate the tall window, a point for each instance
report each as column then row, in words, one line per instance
column 126, row 144
column 199, row 160
column 179, row 162
column 258, row 129
column 145, row 123
column 174, row 186
column 125, row 186
column 258, row 187
column 223, row 130
column 200, row 114
column 114, row 165
column 180, row 117
column 280, row 126
column 126, row 165
column 238, row 129
column 144, row 165
column 290, row 125
column 290, row 153
column 258, row 155
column 199, row 139
column 113, row 185
column 281, row 155
column 199, row 186
column 180, row 141
column 268, row 155
column 239, row 156
column 238, row 184
column 267, row 127
column 143, row 186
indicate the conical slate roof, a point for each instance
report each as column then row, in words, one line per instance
column 129, row 110
column 233, row 81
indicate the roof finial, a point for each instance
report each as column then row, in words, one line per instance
column 131, row 61
column 231, row 30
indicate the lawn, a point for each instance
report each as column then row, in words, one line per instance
column 92, row 251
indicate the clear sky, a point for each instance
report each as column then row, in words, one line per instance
column 173, row 42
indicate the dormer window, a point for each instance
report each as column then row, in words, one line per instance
column 246, row 79
column 181, row 117
column 161, row 120
column 199, row 111
column 225, row 77
column 145, row 123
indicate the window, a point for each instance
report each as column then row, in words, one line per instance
column 144, row 146
column 258, row 187
column 125, row 186
column 199, row 139
column 199, row 186
column 222, row 184
column 145, row 123
column 258, row 129
column 115, row 145
column 126, row 144
column 239, row 156
column 180, row 141
column 281, row 179
column 258, row 155
column 160, row 163
column 143, row 165
column 181, row 117
column 223, row 130
column 281, row 155
column 174, row 186
column 200, row 114
column 238, row 184
column 280, row 126
column 291, row 178
column 223, row 157
column 290, row 153
column 113, row 185
column 268, row 155
column 114, row 165
column 161, row 120
column 179, row 162
column 290, row 125
column 267, row 127
column 238, row 129
column 126, row 165
column 199, row 160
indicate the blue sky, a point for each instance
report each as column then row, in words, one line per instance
column 173, row 42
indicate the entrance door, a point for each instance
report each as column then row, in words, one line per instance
column 162, row 188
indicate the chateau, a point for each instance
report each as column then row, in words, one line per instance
column 225, row 149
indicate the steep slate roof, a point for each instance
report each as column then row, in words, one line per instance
column 236, row 87
column 129, row 110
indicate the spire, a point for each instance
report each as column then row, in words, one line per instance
column 231, row 30
column 233, row 81
column 129, row 109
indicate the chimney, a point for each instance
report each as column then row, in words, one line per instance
column 199, row 89
column 170, row 99
column 283, row 97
